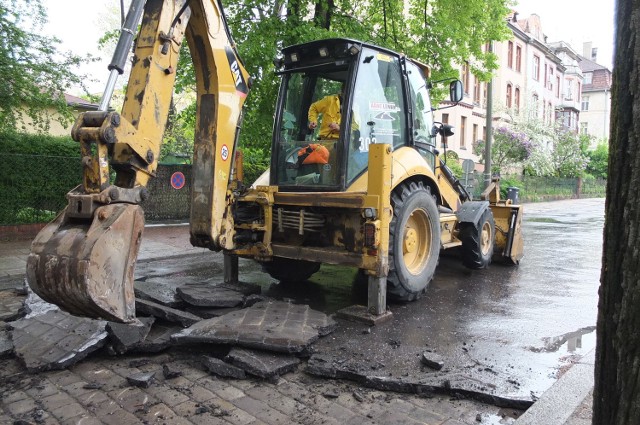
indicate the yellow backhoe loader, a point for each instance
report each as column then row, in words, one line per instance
column 369, row 192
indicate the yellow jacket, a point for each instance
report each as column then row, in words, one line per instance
column 329, row 107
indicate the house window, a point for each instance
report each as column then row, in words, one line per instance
column 584, row 129
column 516, row 99
column 476, row 91
column 544, row 112
column 569, row 93
column 535, row 105
column 536, row 68
column 484, row 132
column 518, row 58
column 585, row 103
column 463, row 126
column 484, row 95
column 475, row 133
column 546, row 80
column 558, row 87
column 550, row 82
column 510, row 54
column 509, row 95
column 588, row 77
column 465, row 77
column 550, row 113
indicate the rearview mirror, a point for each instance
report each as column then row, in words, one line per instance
column 455, row 91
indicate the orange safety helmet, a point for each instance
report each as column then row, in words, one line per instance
column 313, row 153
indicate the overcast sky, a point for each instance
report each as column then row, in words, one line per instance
column 575, row 22
column 80, row 23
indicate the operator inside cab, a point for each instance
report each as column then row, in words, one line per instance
column 313, row 159
column 330, row 109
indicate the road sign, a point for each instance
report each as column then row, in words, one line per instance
column 177, row 180
column 468, row 165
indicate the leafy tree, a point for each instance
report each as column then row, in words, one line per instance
column 549, row 150
column 508, row 149
column 34, row 73
column 598, row 161
column 567, row 156
column 440, row 33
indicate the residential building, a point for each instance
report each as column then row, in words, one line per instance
column 595, row 111
column 542, row 79
column 77, row 106
column 569, row 99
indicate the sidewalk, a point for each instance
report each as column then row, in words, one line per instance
column 158, row 241
column 569, row 401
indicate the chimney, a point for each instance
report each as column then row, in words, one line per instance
column 586, row 49
column 594, row 54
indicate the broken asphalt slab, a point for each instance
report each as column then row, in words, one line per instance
column 269, row 325
column 125, row 337
column 6, row 345
column 222, row 369
column 262, row 364
column 11, row 304
column 167, row 313
column 217, row 295
column 142, row 380
column 158, row 338
column 55, row 340
column 161, row 291
column 454, row 384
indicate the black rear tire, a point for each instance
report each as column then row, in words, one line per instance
column 414, row 241
column 478, row 241
column 289, row 270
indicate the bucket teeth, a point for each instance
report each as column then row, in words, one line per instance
column 86, row 267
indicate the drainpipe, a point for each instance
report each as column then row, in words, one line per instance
column 489, row 125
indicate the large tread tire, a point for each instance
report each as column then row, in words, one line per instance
column 288, row 270
column 414, row 241
column 478, row 241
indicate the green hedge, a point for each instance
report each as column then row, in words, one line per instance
column 37, row 172
column 38, row 144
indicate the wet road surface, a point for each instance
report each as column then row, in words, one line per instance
column 513, row 330
column 508, row 331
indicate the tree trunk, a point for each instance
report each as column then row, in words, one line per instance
column 617, row 374
column 324, row 12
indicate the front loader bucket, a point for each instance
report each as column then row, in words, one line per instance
column 509, row 243
column 86, row 266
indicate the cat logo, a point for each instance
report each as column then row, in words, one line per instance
column 241, row 85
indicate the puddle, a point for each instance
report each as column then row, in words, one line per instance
column 571, row 342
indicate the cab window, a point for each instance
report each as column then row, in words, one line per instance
column 378, row 108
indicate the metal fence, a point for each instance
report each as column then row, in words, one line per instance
column 33, row 189
column 536, row 188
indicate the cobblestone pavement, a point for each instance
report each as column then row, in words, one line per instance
column 96, row 392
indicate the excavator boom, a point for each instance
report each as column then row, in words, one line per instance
column 84, row 260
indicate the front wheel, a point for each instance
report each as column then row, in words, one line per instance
column 478, row 241
column 414, row 242
column 289, row 270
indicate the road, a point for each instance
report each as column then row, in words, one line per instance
column 507, row 332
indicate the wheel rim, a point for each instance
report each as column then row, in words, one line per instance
column 485, row 238
column 416, row 241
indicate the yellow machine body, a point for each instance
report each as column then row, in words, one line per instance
column 376, row 196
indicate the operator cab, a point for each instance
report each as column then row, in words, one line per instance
column 363, row 88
